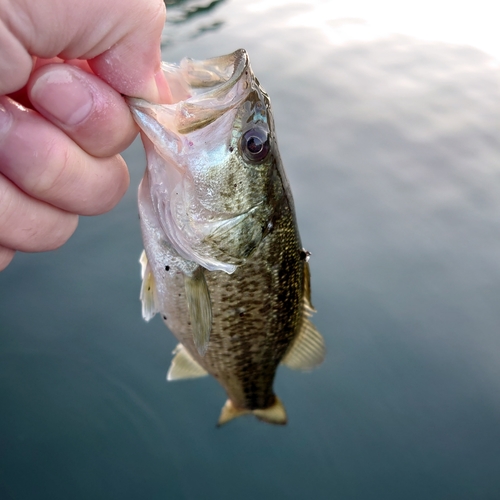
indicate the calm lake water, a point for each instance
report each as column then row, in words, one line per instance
column 391, row 141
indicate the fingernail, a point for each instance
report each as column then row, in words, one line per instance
column 62, row 95
column 157, row 90
column 165, row 96
column 5, row 121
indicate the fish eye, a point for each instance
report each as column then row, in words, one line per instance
column 255, row 144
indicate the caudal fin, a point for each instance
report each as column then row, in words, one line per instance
column 275, row 414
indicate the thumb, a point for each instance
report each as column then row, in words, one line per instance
column 132, row 65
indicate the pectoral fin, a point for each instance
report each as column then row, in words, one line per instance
column 308, row 348
column 148, row 289
column 200, row 309
column 184, row 366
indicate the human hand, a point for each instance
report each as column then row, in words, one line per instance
column 60, row 158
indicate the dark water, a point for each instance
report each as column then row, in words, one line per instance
column 393, row 151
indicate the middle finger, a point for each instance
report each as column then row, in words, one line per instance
column 46, row 164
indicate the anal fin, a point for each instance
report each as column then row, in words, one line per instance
column 200, row 308
column 184, row 366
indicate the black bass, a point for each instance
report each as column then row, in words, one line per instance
column 223, row 263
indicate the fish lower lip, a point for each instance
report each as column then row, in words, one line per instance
column 132, row 101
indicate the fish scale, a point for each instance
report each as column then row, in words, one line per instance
column 260, row 298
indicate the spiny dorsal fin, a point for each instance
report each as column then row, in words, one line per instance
column 184, row 366
column 200, row 308
column 308, row 348
column 148, row 289
column 307, row 289
column 275, row 414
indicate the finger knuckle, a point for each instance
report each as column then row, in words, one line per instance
column 51, row 180
column 6, row 207
column 61, row 231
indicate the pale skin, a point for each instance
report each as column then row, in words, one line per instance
column 68, row 62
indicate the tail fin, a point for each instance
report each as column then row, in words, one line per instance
column 275, row 414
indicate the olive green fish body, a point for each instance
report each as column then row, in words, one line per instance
column 255, row 317
column 223, row 262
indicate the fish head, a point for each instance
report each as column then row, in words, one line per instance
column 213, row 168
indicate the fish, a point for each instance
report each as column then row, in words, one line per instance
column 223, row 262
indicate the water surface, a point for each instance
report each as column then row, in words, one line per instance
column 390, row 138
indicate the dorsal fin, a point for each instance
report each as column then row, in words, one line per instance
column 148, row 289
column 306, row 297
column 184, row 366
column 308, row 348
column 200, row 308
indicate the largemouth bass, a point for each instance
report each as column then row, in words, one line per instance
column 223, row 262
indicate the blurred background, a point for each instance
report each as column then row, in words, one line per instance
column 388, row 120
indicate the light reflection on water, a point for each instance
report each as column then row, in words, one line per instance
column 390, row 140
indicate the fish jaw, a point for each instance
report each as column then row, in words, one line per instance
column 203, row 91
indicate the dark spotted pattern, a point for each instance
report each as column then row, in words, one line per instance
column 256, row 312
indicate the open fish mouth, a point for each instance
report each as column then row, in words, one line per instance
column 202, row 91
